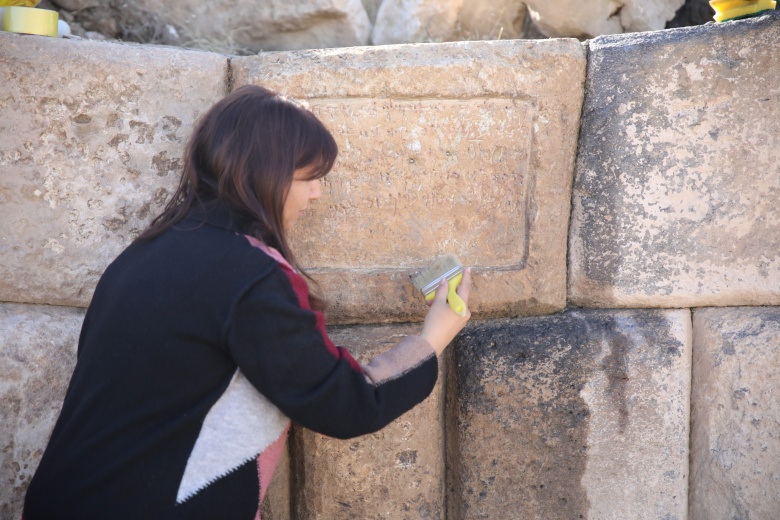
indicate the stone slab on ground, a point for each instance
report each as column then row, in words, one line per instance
column 578, row 19
column 735, row 414
column 492, row 20
column 462, row 148
column 251, row 27
column 92, row 139
column 427, row 21
column 37, row 355
column 395, row 473
column 678, row 169
column 577, row 415
column 415, row 21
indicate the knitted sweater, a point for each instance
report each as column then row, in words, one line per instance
column 198, row 348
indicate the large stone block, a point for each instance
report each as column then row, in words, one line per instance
column 415, row 21
column 735, row 414
column 425, row 21
column 37, row 356
column 577, row 415
column 464, row 148
column 678, row 170
column 395, row 473
column 574, row 18
column 491, row 20
column 92, row 139
column 251, row 26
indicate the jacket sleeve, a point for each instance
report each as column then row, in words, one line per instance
column 281, row 346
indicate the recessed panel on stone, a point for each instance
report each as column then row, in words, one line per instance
column 578, row 415
column 463, row 148
column 735, row 414
column 93, row 134
column 675, row 199
column 397, row 472
column 37, row 356
column 447, row 164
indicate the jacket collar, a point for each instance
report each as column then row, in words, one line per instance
column 215, row 214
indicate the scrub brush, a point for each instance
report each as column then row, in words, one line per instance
column 428, row 279
column 726, row 10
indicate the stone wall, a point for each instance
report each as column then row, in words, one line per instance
column 616, row 199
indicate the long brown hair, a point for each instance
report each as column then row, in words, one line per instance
column 243, row 154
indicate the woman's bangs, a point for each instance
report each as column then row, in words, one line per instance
column 318, row 149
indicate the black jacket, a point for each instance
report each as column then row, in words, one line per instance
column 198, row 348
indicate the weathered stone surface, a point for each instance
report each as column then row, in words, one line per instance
column 418, row 21
column 578, row 415
column 648, row 15
column 675, row 200
column 421, row 21
column 491, row 20
column 37, row 356
column 574, row 18
column 464, row 148
column 92, row 140
column 396, row 473
column 735, row 414
column 269, row 25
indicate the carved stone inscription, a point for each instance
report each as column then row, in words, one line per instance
column 419, row 178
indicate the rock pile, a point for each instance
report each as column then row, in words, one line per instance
column 250, row 26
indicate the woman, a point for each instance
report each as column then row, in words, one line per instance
column 202, row 341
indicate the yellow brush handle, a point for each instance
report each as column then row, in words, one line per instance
column 457, row 304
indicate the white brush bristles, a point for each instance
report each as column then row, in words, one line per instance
column 446, row 266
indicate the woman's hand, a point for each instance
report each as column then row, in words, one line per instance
column 441, row 323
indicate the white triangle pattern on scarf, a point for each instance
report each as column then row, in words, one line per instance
column 240, row 425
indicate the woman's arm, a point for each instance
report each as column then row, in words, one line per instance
column 441, row 324
column 282, row 347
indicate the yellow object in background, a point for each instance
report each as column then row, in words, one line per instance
column 28, row 20
column 726, row 10
column 22, row 3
